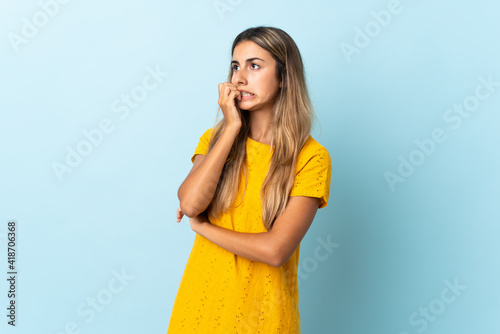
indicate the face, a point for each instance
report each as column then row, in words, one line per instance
column 254, row 72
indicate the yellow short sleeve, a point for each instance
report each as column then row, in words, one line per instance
column 314, row 173
column 202, row 147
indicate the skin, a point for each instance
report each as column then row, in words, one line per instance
column 273, row 247
column 256, row 76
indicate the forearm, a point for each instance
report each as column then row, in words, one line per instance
column 198, row 189
column 253, row 246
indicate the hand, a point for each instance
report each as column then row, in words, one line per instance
column 198, row 221
column 228, row 95
column 180, row 214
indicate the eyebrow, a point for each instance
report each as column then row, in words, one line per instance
column 247, row 61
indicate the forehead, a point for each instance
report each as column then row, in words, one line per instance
column 248, row 49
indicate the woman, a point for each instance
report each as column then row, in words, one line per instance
column 256, row 184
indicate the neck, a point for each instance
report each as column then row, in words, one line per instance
column 260, row 126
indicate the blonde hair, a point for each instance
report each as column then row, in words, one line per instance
column 290, row 129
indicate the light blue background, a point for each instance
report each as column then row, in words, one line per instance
column 115, row 211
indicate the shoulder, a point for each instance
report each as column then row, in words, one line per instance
column 313, row 172
column 203, row 144
column 312, row 145
column 313, row 150
column 205, row 137
column 207, row 133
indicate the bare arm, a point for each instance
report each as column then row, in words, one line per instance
column 198, row 189
column 272, row 247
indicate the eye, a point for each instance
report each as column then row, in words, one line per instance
column 234, row 66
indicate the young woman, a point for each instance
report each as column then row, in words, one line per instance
column 256, row 184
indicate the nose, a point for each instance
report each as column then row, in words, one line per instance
column 239, row 77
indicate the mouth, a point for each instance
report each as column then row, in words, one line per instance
column 246, row 96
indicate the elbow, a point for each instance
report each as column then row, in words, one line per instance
column 190, row 206
column 186, row 207
column 278, row 252
column 276, row 261
column 188, row 210
column 277, row 257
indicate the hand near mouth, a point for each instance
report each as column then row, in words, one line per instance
column 228, row 95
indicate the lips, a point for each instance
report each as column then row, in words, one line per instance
column 245, row 97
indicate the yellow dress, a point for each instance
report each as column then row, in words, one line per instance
column 223, row 293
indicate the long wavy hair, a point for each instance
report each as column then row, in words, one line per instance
column 290, row 129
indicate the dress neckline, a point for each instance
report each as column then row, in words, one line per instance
column 258, row 142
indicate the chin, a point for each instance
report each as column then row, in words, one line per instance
column 247, row 109
column 244, row 105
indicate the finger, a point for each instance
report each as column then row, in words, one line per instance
column 225, row 85
column 227, row 91
column 233, row 91
column 236, row 94
column 230, row 87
